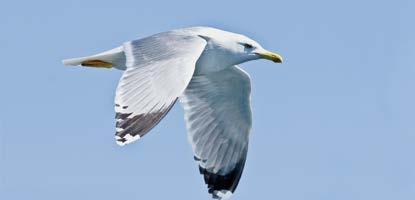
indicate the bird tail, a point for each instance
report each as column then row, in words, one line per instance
column 108, row 59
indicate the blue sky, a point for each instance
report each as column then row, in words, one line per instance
column 335, row 121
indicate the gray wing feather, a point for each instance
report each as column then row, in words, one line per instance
column 159, row 69
column 218, row 119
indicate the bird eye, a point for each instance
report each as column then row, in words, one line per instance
column 248, row 46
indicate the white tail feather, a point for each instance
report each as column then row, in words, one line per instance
column 114, row 56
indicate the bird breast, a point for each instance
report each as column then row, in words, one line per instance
column 213, row 59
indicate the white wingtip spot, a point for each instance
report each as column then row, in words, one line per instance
column 118, row 130
column 117, row 138
column 120, row 143
column 128, row 139
column 223, row 194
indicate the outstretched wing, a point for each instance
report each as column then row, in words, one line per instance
column 218, row 119
column 159, row 69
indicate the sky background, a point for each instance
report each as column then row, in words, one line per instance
column 335, row 121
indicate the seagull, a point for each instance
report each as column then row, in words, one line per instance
column 198, row 66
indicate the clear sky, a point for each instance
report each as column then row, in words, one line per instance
column 335, row 121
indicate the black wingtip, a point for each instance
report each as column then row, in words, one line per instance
column 217, row 183
column 136, row 126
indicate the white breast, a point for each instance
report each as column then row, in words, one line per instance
column 214, row 58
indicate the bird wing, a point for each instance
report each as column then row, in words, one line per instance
column 218, row 119
column 159, row 69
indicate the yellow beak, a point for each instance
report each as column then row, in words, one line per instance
column 271, row 56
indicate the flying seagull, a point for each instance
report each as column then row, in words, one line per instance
column 198, row 66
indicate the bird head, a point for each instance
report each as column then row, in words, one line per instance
column 239, row 48
column 252, row 50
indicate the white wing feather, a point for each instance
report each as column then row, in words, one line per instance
column 159, row 69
